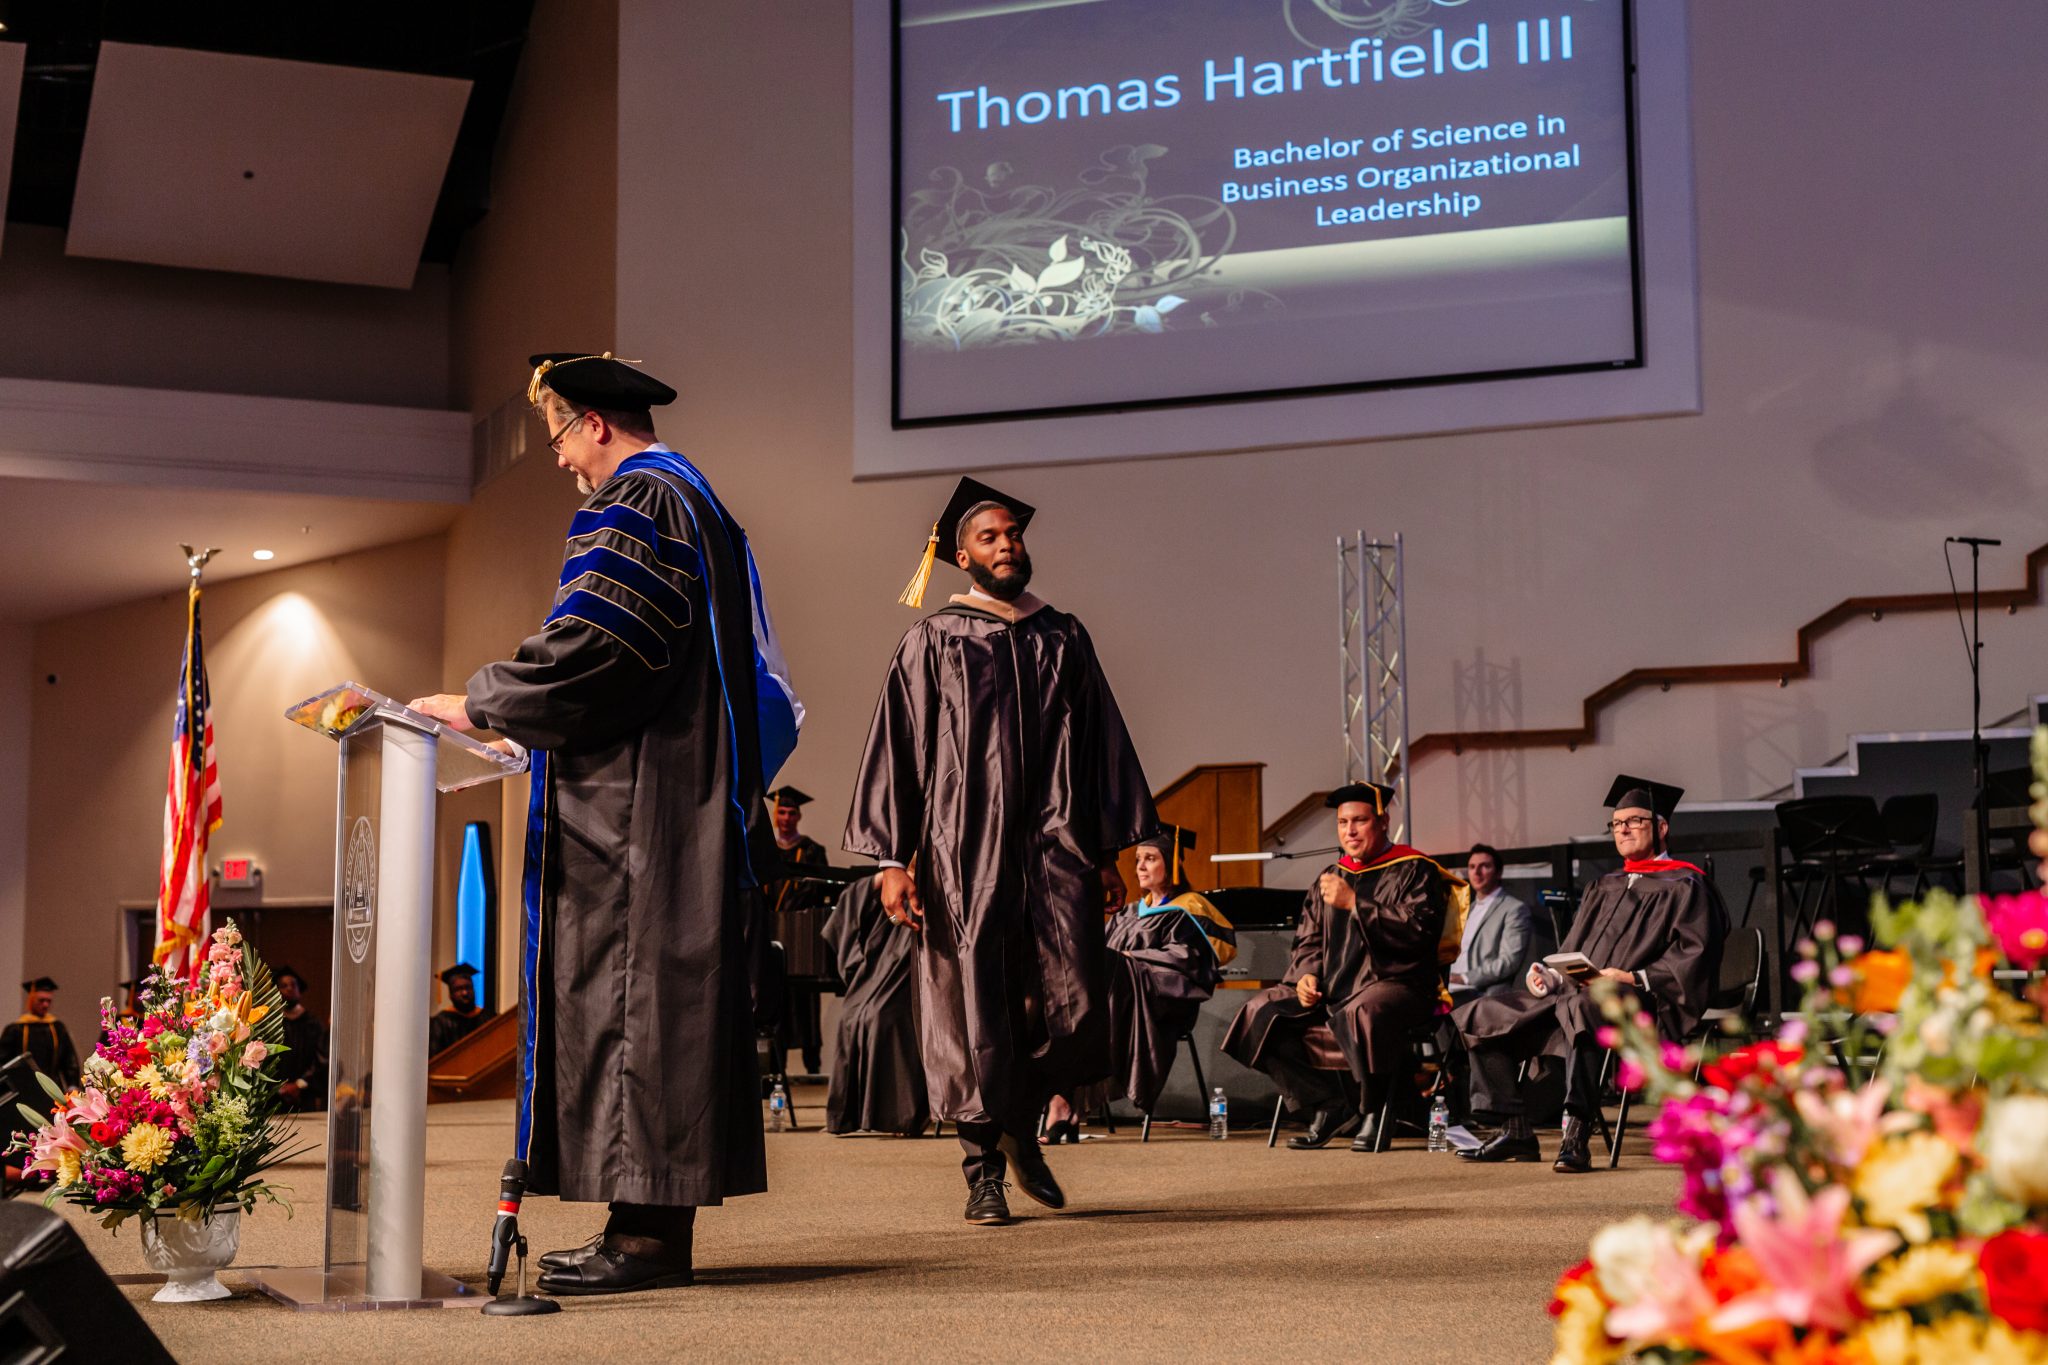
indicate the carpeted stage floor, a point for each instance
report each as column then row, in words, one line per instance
column 1178, row 1249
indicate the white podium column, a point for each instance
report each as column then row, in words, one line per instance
column 405, row 941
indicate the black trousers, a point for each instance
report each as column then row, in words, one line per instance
column 1495, row 1090
column 981, row 1149
column 1307, row 1087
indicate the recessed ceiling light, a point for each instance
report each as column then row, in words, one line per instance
column 266, row 554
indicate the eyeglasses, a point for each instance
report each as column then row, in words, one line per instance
column 555, row 441
column 1628, row 822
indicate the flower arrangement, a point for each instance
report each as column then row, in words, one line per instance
column 1869, row 1186
column 175, row 1112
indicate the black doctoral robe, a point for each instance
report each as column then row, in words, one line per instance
column 1669, row 927
column 1162, row 966
column 638, row 697
column 47, row 1044
column 877, row 1075
column 449, row 1027
column 998, row 758
column 1376, row 966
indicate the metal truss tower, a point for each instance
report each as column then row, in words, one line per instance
column 1372, row 636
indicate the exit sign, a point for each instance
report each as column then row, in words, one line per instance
column 239, row 872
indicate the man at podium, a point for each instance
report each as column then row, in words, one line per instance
column 648, row 697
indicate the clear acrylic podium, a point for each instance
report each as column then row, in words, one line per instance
column 393, row 761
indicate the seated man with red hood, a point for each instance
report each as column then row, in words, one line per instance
column 1366, row 961
column 1654, row 928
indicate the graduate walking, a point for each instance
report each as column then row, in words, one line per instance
column 997, row 758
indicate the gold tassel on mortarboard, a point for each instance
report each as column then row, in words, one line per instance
column 913, row 592
column 533, row 385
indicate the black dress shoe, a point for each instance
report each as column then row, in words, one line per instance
column 1501, row 1147
column 607, row 1270
column 986, row 1206
column 1573, row 1154
column 1032, row 1175
column 1327, row 1124
column 1368, row 1135
column 560, row 1260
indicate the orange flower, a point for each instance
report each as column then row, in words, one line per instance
column 1881, row 979
column 1730, row 1272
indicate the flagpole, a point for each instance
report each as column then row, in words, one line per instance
column 180, row 802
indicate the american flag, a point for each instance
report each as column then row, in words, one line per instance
column 191, row 814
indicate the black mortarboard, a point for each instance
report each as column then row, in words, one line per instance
column 1175, row 842
column 1639, row 793
column 459, row 969
column 1378, row 795
column 596, row 381
column 41, row 983
column 280, row 973
column 968, row 495
column 789, row 796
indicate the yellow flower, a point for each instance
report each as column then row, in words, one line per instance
column 1582, row 1328
column 1895, row 1339
column 159, row 1088
column 146, row 1147
column 1901, row 1179
column 68, row 1169
column 1923, row 1273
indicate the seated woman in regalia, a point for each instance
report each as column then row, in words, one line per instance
column 1167, row 951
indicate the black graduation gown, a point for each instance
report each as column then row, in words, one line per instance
column 47, row 1044
column 306, row 1062
column 448, row 1028
column 1670, row 926
column 638, row 1079
column 1376, row 967
column 998, row 758
column 1161, row 969
column 877, row 1075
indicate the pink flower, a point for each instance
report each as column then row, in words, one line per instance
column 49, row 1141
column 1848, row 1122
column 1809, row 1262
column 2020, row 924
column 1607, row 1035
column 87, row 1107
column 1675, row 1303
column 253, row 1055
column 1806, row 972
column 1631, row 1075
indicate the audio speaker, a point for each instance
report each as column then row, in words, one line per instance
column 55, row 1301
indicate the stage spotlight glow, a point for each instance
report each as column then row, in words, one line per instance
column 266, row 554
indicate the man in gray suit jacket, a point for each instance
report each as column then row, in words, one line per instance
column 1502, row 937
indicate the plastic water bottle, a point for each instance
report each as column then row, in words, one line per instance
column 1440, row 1123
column 1219, row 1116
column 778, row 1108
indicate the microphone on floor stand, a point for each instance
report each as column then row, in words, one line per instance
column 1973, row 540
column 506, row 1242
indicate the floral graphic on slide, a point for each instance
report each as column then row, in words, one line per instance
column 1369, row 18
column 997, row 266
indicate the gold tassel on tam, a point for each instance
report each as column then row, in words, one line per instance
column 913, row 592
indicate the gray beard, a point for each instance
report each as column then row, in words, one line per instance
column 584, row 486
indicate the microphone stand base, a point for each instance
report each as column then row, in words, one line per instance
column 516, row 1306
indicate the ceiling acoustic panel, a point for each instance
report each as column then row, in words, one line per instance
column 11, row 58
column 215, row 161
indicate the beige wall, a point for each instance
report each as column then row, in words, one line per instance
column 15, row 727
column 102, row 731
column 1876, row 377
column 535, row 275
column 109, row 322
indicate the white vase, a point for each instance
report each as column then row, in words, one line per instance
column 188, row 1253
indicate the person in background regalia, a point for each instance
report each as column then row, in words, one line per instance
column 1367, row 955
column 795, row 905
column 877, row 1074
column 997, row 758
column 40, row 1036
column 463, row 1015
column 656, row 705
column 1654, row 928
column 1167, row 951
column 302, row 1073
